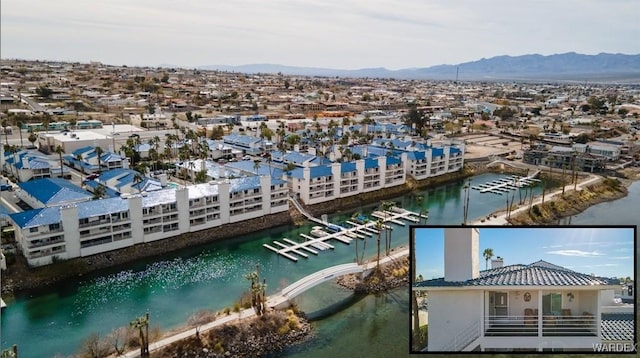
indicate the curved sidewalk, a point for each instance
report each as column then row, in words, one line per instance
column 502, row 218
column 272, row 301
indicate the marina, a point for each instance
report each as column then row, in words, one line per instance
column 505, row 185
column 319, row 235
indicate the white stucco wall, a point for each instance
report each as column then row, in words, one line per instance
column 450, row 312
column 461, row 254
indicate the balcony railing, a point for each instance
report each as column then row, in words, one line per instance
column 551, row 326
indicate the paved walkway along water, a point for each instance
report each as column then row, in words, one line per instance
column 272, row 301
column 502, row 218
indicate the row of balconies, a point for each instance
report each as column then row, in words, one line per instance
column 97, row 241
column 170, row 227
column 45, row 241
column 94, row 223
column 278, row 203
column 46, row 252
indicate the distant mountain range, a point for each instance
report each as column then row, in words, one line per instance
column 569, row 66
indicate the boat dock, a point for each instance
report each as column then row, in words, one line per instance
column 317, row 239
column 505, row 185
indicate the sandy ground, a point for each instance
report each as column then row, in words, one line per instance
column 482, row 145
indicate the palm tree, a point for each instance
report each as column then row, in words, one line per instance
column 60, row 150
column 192, row 171
column 140, row 323
column 488, row 254
column 32, row 138
column 385, row 206
column 19, row 124
column 99, row 192
column 137, row 179
column 256, row 165
column 379, row 226
column 466, row 201
column 79, row 158
column 99, row 151
column 258, row 292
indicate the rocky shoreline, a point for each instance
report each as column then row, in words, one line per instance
column 257, row 337
column 391, row 275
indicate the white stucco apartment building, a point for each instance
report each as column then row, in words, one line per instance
column 534, row 307
column 95, row 226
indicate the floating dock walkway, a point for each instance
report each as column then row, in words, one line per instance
column 505, row 185
column 320, row 235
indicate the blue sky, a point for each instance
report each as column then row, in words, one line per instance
column 344, row 34
column 604, row 252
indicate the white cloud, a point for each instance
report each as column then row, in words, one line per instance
column 325, row 33
column 578, row 253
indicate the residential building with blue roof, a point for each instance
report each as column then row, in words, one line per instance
column 538, row 306
column 326, row 182
column 85, row 159
column 26, row 165
column 40, row 193
column 84, row 228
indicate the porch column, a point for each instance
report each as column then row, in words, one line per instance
column 482, row 313
column 597, row 318
column 539, row 313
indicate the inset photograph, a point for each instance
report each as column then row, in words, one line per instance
column 521, row 289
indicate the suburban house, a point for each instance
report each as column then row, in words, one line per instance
column 533, row 307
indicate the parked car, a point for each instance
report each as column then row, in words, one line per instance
column 6, row 187
column 91, row 176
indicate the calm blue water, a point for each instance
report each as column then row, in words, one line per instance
column 624, row 211
column 173, row 287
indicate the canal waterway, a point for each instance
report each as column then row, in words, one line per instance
column 624, row 211
column 177, row 285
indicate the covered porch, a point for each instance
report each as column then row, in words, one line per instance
column 542, row 313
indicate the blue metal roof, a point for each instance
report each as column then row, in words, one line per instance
column 370, row 163
column 82, row 150
column 535, row 274
column 320, row 171
column 110, row 157
column 415, row 155
column 202, row 190
column 53, row 191
column 242, row 140
column 437, row 152
column 297, row 157
column 109, row 193
column 393, row 160
column 102, row 207
column 36, row 217
column 241, row 184
column 346, row 167
column 296, row 173
column 159, row 197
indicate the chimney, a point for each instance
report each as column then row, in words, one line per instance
column 163, row 179
column 461, row 255
column 497, row 262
